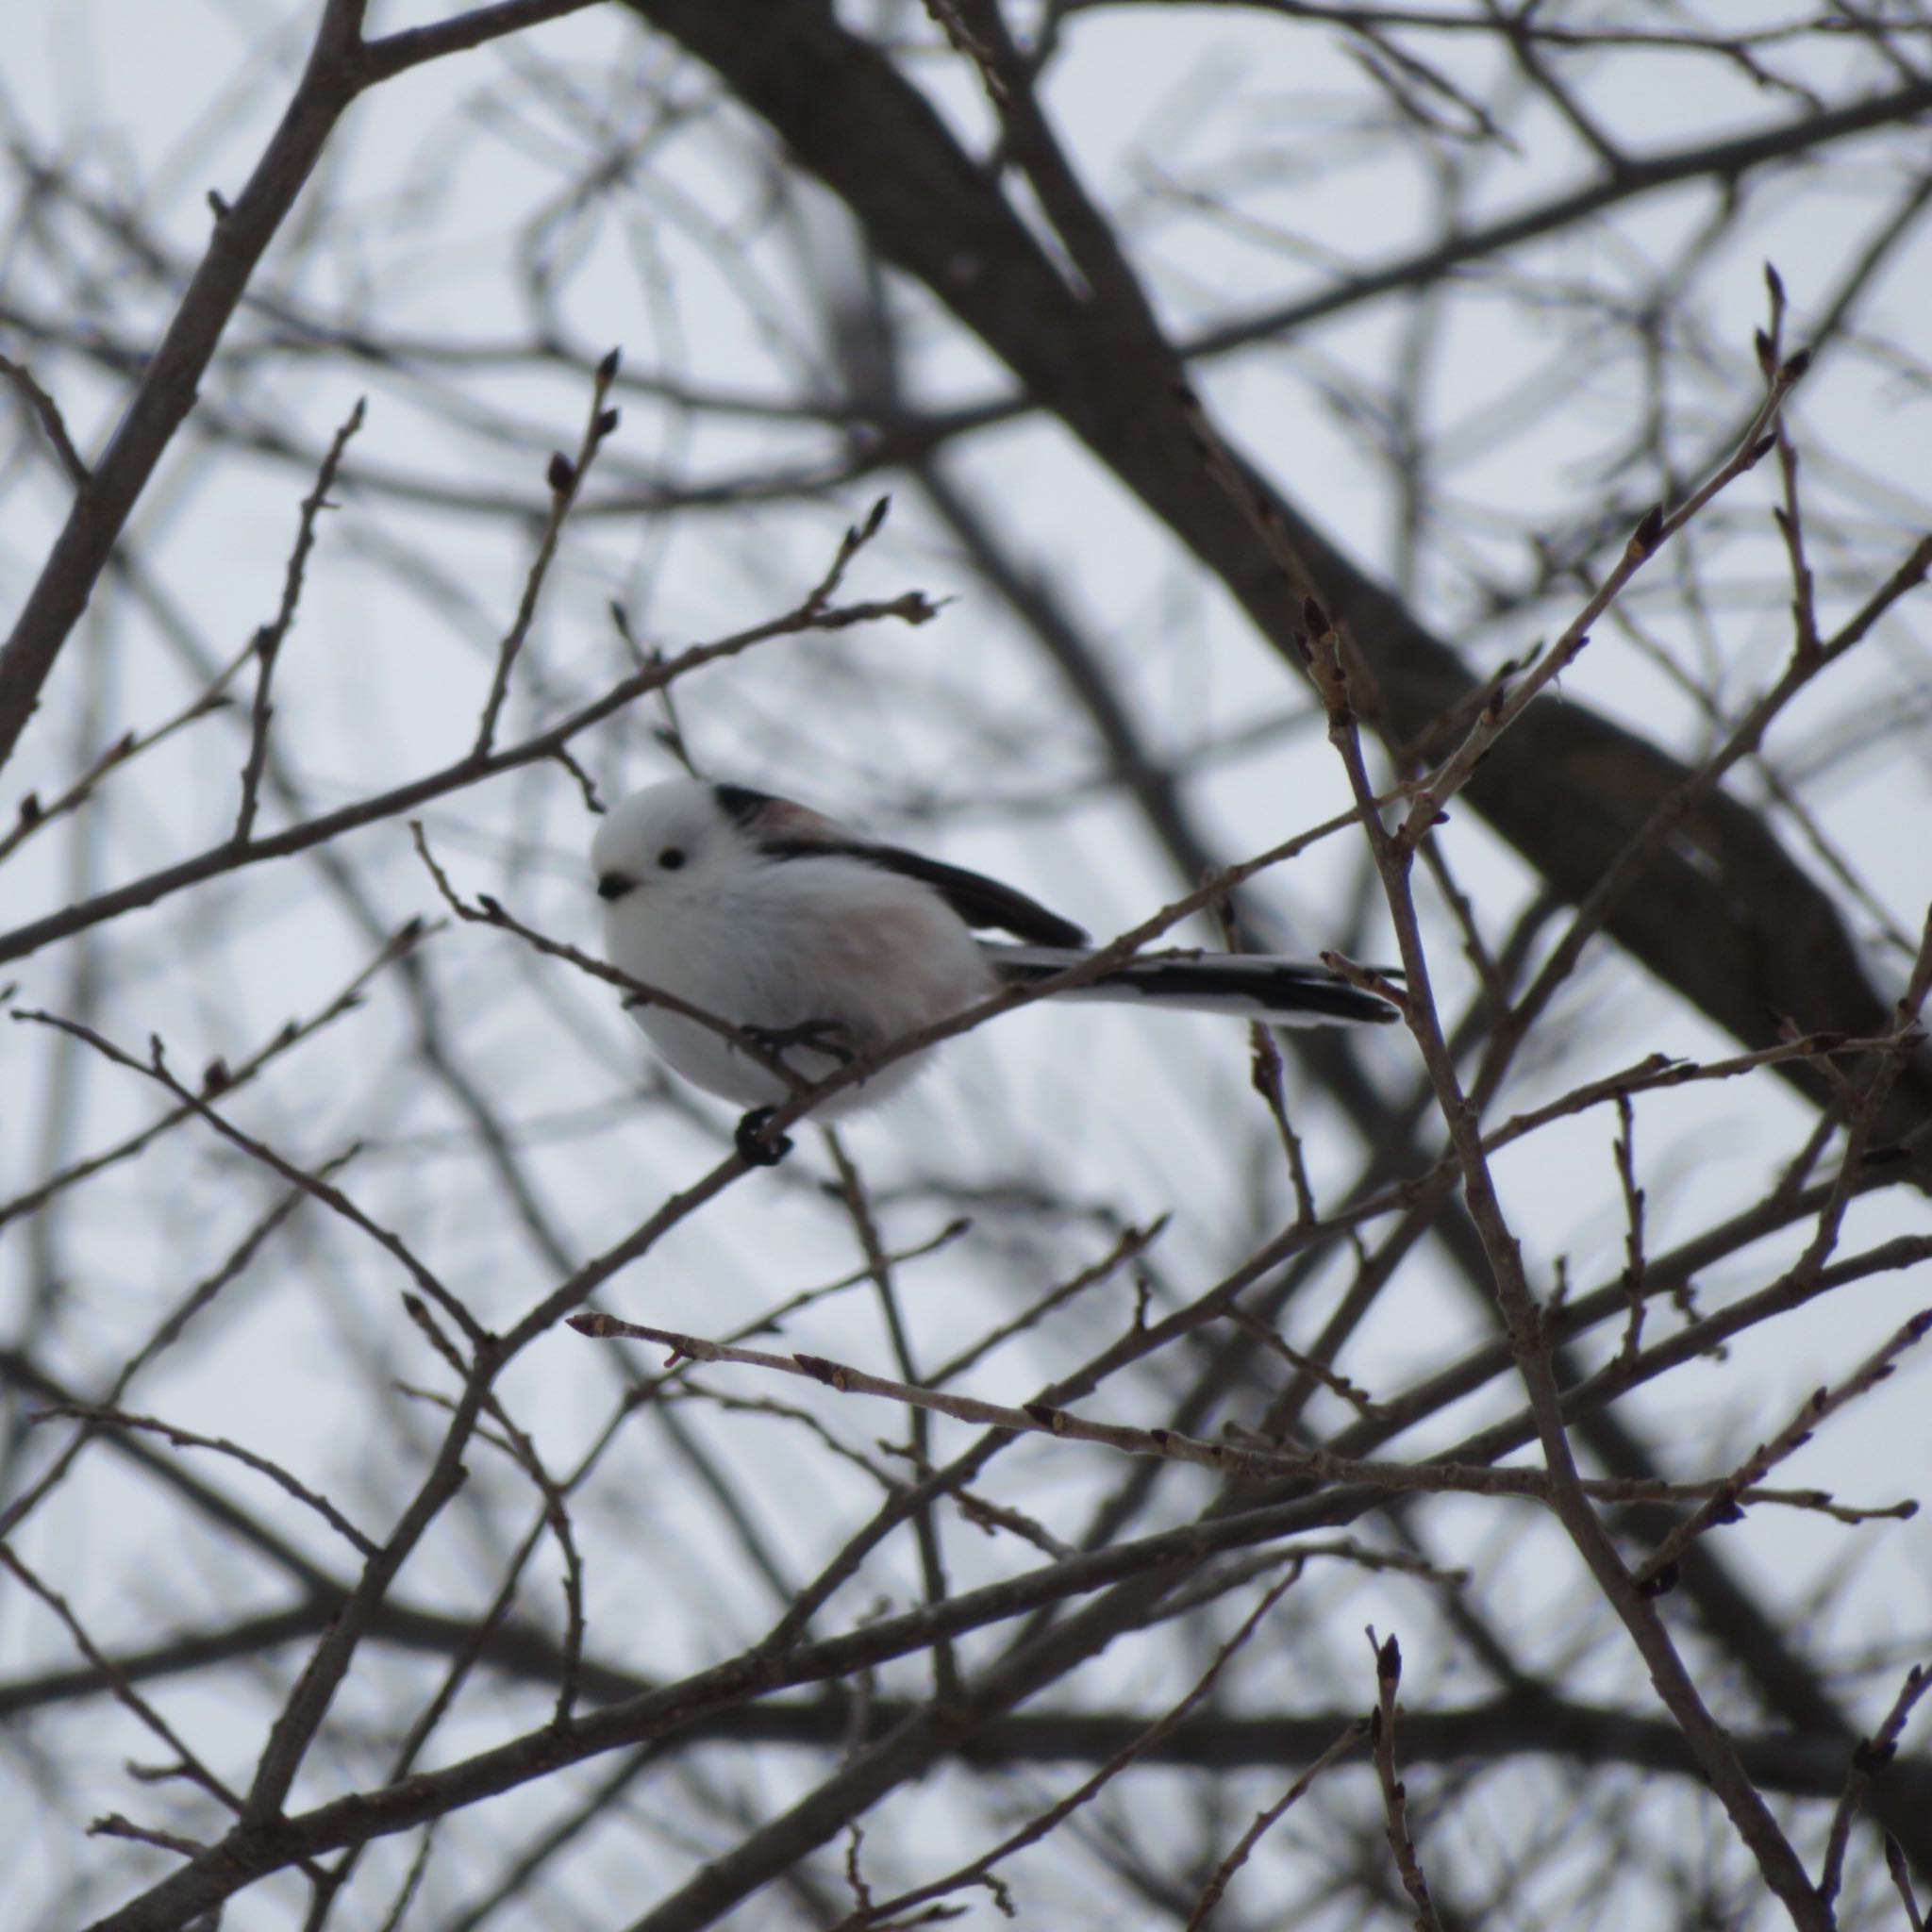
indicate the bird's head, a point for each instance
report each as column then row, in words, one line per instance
column 678, row 830
column 695, row 832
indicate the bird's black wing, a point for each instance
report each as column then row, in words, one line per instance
column 784, row 830
column 980, row 901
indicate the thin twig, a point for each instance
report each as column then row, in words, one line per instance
column 1725, row 1503
column 1245, row 1455
column 166, row 1332
column 979, row 1870
column 156, row 1068
column 47, row 412
column 1408, row 1864
column 1869, row 1759
column 1133, row 1242
column 267, row 643
column 188, row 1764
column 1651, row 534
column 1623, row 1151
column 35, row 815
column 1900, row 1871
column 221, row 1078
column 926, row 1518
column 104, row 1416
column 1265, row 1822
column 565, row 476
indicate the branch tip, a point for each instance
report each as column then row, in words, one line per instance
column 1389, row 1663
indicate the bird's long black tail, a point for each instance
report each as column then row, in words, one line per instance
column 1248, row 986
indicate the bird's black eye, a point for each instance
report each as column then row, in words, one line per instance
column 671, row 858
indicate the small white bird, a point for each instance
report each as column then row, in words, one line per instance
column 823, row 946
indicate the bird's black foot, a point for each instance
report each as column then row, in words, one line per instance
column 754, row 1145
column 832, row 1038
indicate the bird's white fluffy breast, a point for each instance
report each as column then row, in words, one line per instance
column 780, row 943
column 790, row 940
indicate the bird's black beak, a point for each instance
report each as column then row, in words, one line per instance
column 614, row 885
